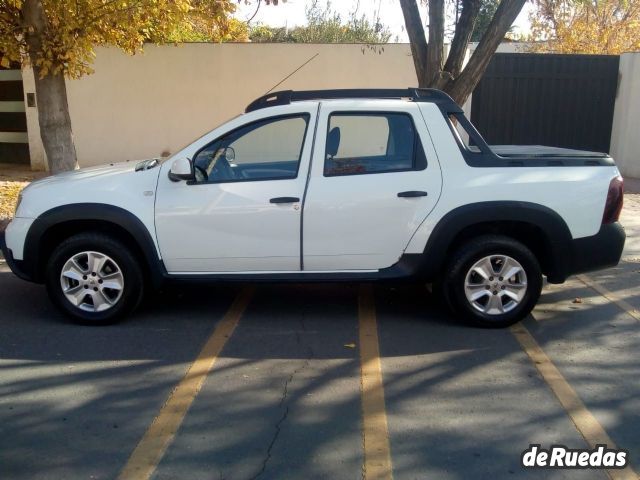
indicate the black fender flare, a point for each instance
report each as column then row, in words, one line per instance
column 557, row 234
column 90, row 212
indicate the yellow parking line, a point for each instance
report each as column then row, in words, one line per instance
column 147, row 455
column 612, row 297
column 375, row 433
column 585, row 422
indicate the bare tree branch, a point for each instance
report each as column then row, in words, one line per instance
column 460, row 42
column 504, row 17
column 436, row 42
column 417, row 38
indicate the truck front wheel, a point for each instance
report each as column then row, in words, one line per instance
column 94, row 278
column 492, row 281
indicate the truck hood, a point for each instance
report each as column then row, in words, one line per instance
column 103, row 175
column 127, row 185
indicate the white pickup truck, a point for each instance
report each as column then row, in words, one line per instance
column 334, row 185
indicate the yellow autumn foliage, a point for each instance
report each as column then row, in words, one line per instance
column 586, row 26
column 75, row 27
column 9, row 191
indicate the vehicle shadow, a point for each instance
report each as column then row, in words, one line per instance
column 285, row 395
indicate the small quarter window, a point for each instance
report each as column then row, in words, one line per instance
column 361, row 143
column 463, row 133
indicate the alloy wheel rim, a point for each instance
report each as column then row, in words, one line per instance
column 92, row 281
column 495, row 284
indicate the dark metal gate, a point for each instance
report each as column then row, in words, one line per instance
column 547, row 99
column 14, row 143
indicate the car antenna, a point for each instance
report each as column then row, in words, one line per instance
column 291, row 74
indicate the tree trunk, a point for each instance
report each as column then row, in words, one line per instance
column 51, row 97
column 55, row 122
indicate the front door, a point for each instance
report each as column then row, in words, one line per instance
column 242, row 213
column 375, row 177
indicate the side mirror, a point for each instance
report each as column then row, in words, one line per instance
column 181, row 169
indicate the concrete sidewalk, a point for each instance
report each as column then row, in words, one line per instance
column 12, row 172
column 632, row 185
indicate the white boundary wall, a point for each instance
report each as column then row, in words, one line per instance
column 625, row 132
column 154, row 103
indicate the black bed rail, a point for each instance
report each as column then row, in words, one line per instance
column 285, row 97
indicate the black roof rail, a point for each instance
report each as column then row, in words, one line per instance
column 285, row 97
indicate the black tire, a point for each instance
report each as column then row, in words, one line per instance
column 133, row 285
column 464, row 259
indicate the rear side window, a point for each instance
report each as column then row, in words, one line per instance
column 361, row 143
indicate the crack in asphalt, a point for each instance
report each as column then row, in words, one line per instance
column 283, row 398
column 282, row 419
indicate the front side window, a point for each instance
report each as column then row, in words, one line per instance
column 268, row 149
column 360, row 143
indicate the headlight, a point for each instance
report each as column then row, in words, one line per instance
column 15, row 214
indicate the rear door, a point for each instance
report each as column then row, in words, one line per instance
column 374, row 178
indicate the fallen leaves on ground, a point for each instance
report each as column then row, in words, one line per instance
column 9, row 196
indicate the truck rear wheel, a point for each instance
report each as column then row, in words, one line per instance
column 492, row 281
column 94, row 278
